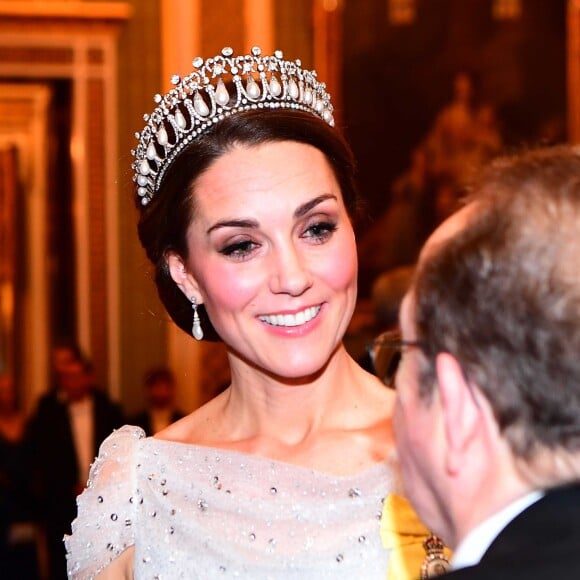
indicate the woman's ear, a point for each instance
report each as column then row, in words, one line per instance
column 184, row 280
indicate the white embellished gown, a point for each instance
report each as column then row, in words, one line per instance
column 198, row 512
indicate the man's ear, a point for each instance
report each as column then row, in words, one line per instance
column 184, row 280
column 461, row 411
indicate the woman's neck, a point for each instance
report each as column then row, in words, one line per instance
column 258, row 402
column 339, row 421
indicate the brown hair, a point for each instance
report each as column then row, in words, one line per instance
column 158, row 375
column 503, row 297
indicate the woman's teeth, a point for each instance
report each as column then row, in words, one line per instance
column 291, row 319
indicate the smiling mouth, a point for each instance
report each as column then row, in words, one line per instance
column 291, row 319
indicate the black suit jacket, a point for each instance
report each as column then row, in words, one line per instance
column 143, row 420
column 51, row 445
column 542, row 543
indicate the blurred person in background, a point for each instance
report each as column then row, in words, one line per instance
column 19, row 538
column 160, row 410
column 63, row 437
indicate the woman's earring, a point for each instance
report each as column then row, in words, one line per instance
column 196, row 329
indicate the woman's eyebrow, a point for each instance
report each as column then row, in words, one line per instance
column 234, row 223
column 306, row 207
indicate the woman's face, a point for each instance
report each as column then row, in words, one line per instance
column 273, row 256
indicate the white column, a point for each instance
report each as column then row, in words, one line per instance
column 259, row 25
column 180, row 36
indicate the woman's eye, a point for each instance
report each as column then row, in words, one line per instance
column 239, row 249
column 320, row 231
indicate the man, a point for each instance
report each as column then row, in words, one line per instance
column 160, row 409
column 64, row 435
column 488, row 414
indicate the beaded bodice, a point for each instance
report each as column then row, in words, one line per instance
column 198, row 512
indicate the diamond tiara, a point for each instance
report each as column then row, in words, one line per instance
column 202, row 98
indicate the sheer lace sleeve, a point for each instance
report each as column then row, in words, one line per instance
column 104, row 526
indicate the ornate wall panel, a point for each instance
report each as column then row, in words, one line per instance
column 76, row 42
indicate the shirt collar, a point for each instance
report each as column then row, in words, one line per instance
column 472, row 548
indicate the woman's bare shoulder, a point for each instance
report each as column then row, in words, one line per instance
column 197, row 427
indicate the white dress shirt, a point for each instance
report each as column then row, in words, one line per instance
column 81, row 417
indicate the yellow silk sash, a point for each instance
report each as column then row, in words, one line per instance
column 403, row 532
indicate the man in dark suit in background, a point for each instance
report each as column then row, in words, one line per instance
column 64, row 435
column 487, row 419
column 160, row 410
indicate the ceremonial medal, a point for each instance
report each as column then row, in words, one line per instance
column 435, row 563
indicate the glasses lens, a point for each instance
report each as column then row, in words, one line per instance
column 386, row 354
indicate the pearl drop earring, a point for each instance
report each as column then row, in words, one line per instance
column 196, row 329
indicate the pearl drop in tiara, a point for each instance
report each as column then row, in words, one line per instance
column 202, row 98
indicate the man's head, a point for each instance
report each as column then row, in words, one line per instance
column 489, row 403
column 160, row 388
column 76, row 380
column 62, row 354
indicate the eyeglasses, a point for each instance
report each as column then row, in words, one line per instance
column 385, row 354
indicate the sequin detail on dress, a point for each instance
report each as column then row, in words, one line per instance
column 197, row 512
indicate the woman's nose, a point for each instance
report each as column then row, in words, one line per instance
column 290, row 272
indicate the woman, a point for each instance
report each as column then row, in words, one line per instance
column 247, row 199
